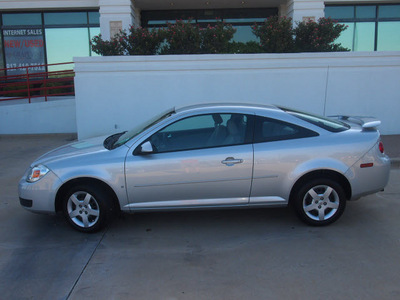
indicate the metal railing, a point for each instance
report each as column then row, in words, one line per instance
column 30, row 82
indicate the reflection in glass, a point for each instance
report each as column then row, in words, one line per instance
column 1, row 57
column 364, row 36
column 94, row 17
column 339, row 12
column 244, row 34
column 245, row 20
column 389, row 11
column 22, row 19
column 24, row 48
column 346, row 37
column 63, row 44
column 365, row 12
column 388, row 36
column 65, row 18
column 93, row 32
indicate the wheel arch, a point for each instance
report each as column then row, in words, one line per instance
column 334, row 175
column 85, row 181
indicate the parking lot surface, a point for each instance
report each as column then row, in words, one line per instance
column 229, row 254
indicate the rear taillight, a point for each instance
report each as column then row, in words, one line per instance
column 381, row 148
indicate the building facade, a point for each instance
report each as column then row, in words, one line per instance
column 34, row 33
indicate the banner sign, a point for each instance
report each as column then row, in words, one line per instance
column 24, row 48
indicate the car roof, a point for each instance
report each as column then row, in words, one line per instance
column 225, row 106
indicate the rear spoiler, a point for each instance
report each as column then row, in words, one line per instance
column 364, row 122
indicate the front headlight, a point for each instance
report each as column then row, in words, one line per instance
column 36, row 173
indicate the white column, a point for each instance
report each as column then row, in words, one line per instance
column 304, row 10
column 116, row 15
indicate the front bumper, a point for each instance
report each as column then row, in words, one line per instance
column 39, row 196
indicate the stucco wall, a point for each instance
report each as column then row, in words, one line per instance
column 115, row 93
column 54, row 116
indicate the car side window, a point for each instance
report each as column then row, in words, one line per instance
column 268, row 130
column 202, row 131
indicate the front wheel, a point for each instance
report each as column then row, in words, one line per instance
column 320, row 202
column 87, row 208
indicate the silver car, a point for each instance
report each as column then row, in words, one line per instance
column 213, row 156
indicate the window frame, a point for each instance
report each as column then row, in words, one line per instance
column 259, row 15
column 355, row 20
column 43, row 27
column 301, row 134
column 248, row 139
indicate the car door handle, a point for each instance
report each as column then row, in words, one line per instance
column 230, row 161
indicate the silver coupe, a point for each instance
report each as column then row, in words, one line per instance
column 212, row 156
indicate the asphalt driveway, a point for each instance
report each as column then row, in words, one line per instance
column 231, row 254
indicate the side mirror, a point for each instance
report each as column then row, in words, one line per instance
column 146, row 148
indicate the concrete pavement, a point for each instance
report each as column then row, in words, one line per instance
column 231, row 254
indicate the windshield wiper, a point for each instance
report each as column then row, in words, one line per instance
column 109, row 141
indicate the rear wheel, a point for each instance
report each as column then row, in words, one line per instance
column 87, row 208
column 320, row 202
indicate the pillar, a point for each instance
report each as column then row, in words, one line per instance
column 116, row 15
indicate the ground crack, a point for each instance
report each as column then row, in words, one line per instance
column 87, row 263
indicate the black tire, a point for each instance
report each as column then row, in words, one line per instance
column 87, row 208
column 320, row 202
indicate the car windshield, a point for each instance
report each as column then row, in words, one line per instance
column 325, row 123
column 124, row 137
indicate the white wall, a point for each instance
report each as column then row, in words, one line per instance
column 56, row 116
column 304, row 10
column 115, row 93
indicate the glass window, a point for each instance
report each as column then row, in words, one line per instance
column 365, row 12
column 325, row 123
column 268, row 130
column 24, row 43
column 346, row 38
column 24, row 48
column 389, row 36
column 364, row 36
column 241, row 19
column 339, row 12
column 1, row 57
column 94, row 17
column 245, row 20
column 93, row 31
column 63, row 44
column 203, row 131
column 373, row 27
column 389, row 11
column 244, row 34
column 22, row 19
column 65, row 18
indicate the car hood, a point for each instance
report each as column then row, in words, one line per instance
column 75, row 149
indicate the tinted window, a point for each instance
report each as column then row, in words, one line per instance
column 268, row 130
column 325, row 123
column 389, row 11
column 339, row 12
column 22, row 19
column 365, row 12
column 94, row 17
column 203, row 131
column 64, row 18
column 371, row 27
column 388, row 36
column 58, row 45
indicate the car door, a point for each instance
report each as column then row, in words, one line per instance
column 278, row 148
column 198, row 161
